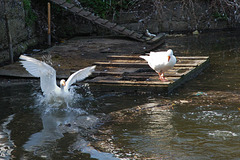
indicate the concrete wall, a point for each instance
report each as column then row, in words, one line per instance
column 174, row 16
column 22, row 35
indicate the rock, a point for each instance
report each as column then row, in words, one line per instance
column 195, row 32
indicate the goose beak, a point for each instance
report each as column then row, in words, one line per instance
column 169, row 58
column 64, row 84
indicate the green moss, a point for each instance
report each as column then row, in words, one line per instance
column 220, row 16
column 31, row 17
column 106, row 8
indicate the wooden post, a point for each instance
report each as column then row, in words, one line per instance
column 49, row 24
column 9, row 37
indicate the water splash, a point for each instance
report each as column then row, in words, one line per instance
column 73, row 102
column 59, row 116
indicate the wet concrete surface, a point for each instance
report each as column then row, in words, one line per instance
column 77, row 53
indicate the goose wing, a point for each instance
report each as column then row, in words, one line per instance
column 79, row 75
column 40, row 69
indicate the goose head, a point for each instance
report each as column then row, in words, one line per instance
column 170, row 54
column 62, row 83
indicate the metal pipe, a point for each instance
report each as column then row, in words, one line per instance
column 49, row 24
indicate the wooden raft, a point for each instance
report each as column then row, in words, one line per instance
column 132, row 72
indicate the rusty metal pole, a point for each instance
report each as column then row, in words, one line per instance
column 49, row 24
column 9, row 37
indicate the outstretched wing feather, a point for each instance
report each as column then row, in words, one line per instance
column 79, row 75
column 40, row 69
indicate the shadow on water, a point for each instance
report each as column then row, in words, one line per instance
column 200, row 120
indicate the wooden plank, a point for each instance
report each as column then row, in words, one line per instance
column 67, row 5
column 137, row 61
column 107, row 73
column 110, row 25
column 101, row 21
column 137, row 35
column 119, row 28
column 75, row 10
column 85, row 13
column 195, row 57
column 92, row 17
column 142, row 72
column 119, row 81
column 137, row 65
column 137, row 78
column 137, row 57
column 128, row 32
column 118, row 69
column 167, row 74
column 59, row 1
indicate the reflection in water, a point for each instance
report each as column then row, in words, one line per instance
column 157, row 131
column 6, row 144
column 59, row 117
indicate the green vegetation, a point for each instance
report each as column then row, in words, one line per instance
column 31, row 17
column 220, row 16
column 107, row 7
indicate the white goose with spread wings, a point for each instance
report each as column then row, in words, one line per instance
column 47, row 76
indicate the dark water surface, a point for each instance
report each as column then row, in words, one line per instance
column 200, row 120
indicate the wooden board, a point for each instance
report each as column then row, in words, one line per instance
column 158, row 40
column 132, row 71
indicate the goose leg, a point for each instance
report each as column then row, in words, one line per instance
column 161, row 77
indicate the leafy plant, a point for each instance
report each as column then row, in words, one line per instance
column 220, row 16
column 31, row 17
column 107, row 7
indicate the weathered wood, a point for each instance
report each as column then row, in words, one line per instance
column 101, row 21
column 75, row 10
column 67, row 5
column 138, row 64
column 85, row 13
column 119, row 28
column 127, row 57
column 128, row 32
column 126, row 82
column 132, row 71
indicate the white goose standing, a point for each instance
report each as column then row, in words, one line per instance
column 161, row 62
column 47, row 76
